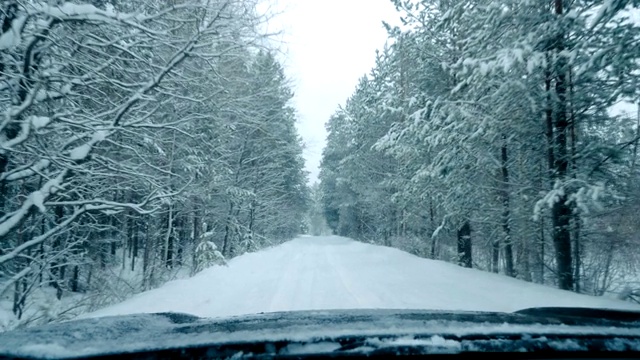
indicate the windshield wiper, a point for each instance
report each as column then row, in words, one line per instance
column 582, row 314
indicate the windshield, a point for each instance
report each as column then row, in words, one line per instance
column 234, row 157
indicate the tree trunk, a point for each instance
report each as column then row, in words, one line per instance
column 561, row 214
column 17, row 296
column 19, row 293
column 114, row 228
column 57, row 271
column 526, row 262
column 540, row 258
column 113, row 248
column 574, row 166
column 600, row 290
column 129, row 247
column 576, row 252
column 75, row 278
column 561, row 210
column 178, row 234
column 464, row 245
column 146, row 257
column 548, row 112
column 89, row 276
column 134, row 240
column 168, row 239
column 434, row 239
column 12, row 129
column 635, row 144
column 197, row 226
column 495, row 256
column 506, row 211
column 226, row 242
column 63, row 272
column 167, row 234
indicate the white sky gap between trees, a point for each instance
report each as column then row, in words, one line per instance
column 328, row 45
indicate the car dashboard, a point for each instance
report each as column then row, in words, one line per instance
column 527, row 334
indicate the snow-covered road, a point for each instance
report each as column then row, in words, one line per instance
column 313, row 273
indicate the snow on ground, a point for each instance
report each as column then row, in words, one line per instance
column 318, row 273
column 116, row 283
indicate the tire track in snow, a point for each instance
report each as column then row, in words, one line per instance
column 362, row 299
column 279, row 299
column 309, row 280
column 337, row 273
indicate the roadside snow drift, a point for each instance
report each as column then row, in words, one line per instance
column 316, row 273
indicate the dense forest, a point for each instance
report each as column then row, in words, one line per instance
column 499, row 135
column 143, row 141
column 140, row 140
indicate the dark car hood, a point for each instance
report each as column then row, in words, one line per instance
column 332, row 331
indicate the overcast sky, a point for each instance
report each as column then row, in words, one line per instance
column 328, row 45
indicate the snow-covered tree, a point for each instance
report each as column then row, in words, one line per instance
column 496, row 118
column 120, row 136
